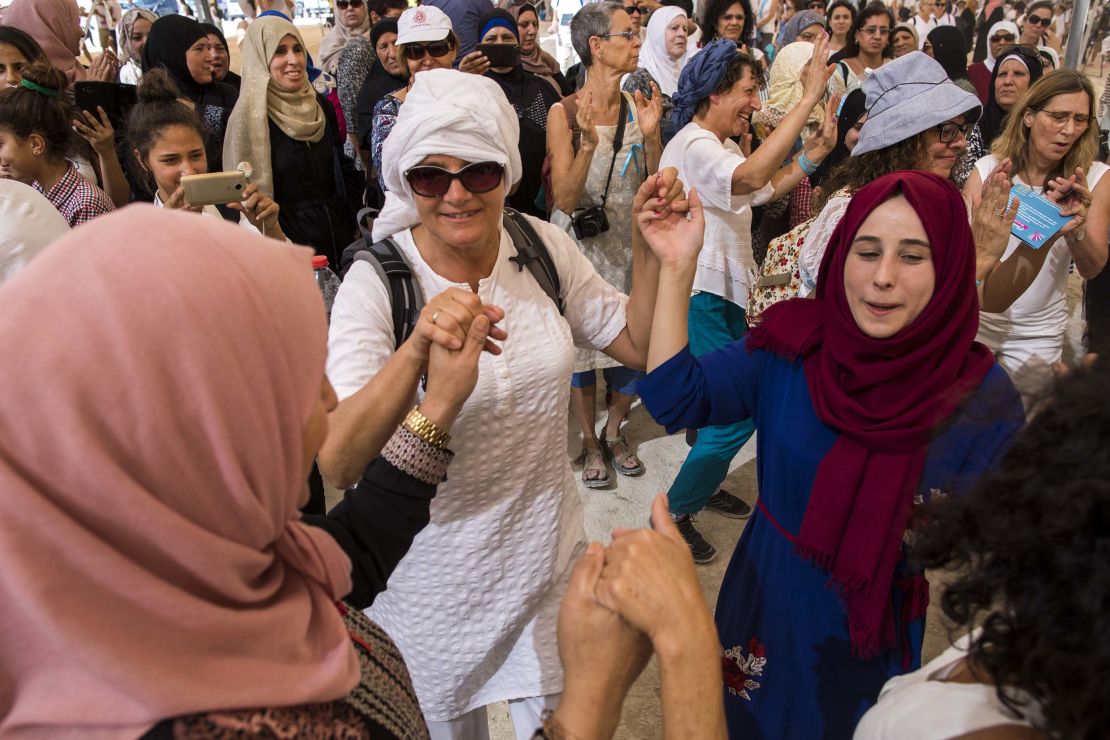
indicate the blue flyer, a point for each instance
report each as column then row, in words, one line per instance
column 1038, row 219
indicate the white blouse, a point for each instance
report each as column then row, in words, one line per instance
column 473, row 605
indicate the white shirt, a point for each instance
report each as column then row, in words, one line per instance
column 1035, row 324
column 130, row 73
column 764, row 9
column 923, row 28
column 473, row 605
column 726, row 266
column 923, row 706
column 818, row 238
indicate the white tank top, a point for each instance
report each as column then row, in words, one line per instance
column 922, row 706
column 1042, row 310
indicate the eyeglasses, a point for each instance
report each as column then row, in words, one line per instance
column 344, row 4
column 949, row 132
column 1060, row 118
column 434, row 182
column 1003, row 38
column 628, row 35
column 1038, row 20
column 437, row 49
column 875, row 31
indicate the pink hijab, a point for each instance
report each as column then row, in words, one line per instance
column 56, row 25
column 152, row 558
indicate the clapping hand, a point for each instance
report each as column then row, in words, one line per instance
column 649, row 112
column 821, row 142
column 992, row 215
column 816, row 74
column 585, row 118
column 1074, row 199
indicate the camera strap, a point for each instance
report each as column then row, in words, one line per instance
column 618, row 142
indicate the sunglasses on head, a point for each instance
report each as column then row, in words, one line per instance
column 1038, row 20
column 344, row 4
column 430, row 181
column 437, row 49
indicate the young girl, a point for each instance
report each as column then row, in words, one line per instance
column 167, row 141
column 35, row 136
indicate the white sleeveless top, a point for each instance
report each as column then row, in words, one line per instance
column 1036, row 322
column 922, row 705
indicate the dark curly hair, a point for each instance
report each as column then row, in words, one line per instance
column 1030, row 550
column 712, row 13
column 855, row 172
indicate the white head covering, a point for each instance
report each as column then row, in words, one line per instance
column 449, row 113
column 653, row 54
column 28, row 223
column 1000, row 26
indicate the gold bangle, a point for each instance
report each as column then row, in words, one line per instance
column 424, row 428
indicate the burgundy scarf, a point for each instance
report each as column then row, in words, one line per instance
column 883, row 398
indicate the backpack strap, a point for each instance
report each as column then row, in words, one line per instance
column 405, row 296
column 532, row 253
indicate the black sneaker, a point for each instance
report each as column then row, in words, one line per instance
column 726, row 504
column 702, row 551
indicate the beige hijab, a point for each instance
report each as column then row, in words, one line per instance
column 333, row 44
column 298, row 114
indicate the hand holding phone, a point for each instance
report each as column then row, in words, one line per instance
column 214, row 188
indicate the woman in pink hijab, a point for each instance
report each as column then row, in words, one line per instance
column 156, row 434
column 56, row 25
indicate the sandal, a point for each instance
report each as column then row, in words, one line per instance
column 621, row 455
column 593, row 461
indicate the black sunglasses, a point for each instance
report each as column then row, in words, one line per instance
column 434, row 182
column 344, row 4
column 1007, row 38
column 438, row 49
column 630, row 9
column 1038, row 20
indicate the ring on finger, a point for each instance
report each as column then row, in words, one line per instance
column 434, row 317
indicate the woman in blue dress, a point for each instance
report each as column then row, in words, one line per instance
column 867, row 401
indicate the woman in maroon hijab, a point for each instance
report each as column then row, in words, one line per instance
column 868, row 400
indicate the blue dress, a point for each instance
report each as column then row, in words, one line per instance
column 788, row 665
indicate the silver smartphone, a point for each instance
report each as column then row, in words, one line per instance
column 214, row 188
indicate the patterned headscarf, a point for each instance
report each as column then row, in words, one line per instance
column 126, row 26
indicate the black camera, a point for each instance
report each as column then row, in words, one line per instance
column 589, row 222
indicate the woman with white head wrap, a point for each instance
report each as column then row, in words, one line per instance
column 1001, row 35
column 28, row 224
column 664, row 50
column 473, row 604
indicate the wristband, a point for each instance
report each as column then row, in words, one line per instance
column 807, row 165
column 413, row 456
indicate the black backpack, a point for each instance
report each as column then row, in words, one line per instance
column 405, row 295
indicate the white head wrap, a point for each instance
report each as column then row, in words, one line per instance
column 1000, row 26
column 653, row 54
column 28, row 224
column 449, row 113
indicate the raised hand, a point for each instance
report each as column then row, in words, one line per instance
column 821, row 143
column 673, row 235
column 649, row 112
column 105, row 68
column 97, row 130
column 816, row 74
column 453, row 373
column 601, row 653
column 991, row 219
column 475, row 63
column 649, row 579
column 445, row 320
column 660, row 191
column 585, row 118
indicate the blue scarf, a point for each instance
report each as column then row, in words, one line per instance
column 700, row 77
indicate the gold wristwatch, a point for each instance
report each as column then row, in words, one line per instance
column 424, row 428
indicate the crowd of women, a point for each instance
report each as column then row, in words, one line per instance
column 802, row 232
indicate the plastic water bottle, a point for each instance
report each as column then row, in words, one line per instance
column 327, row 281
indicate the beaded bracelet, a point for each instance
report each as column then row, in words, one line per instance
column 413, row 456
column 807, row 164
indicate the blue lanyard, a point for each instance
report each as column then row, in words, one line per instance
column 631, row 159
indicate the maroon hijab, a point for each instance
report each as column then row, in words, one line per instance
column 883, row 397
